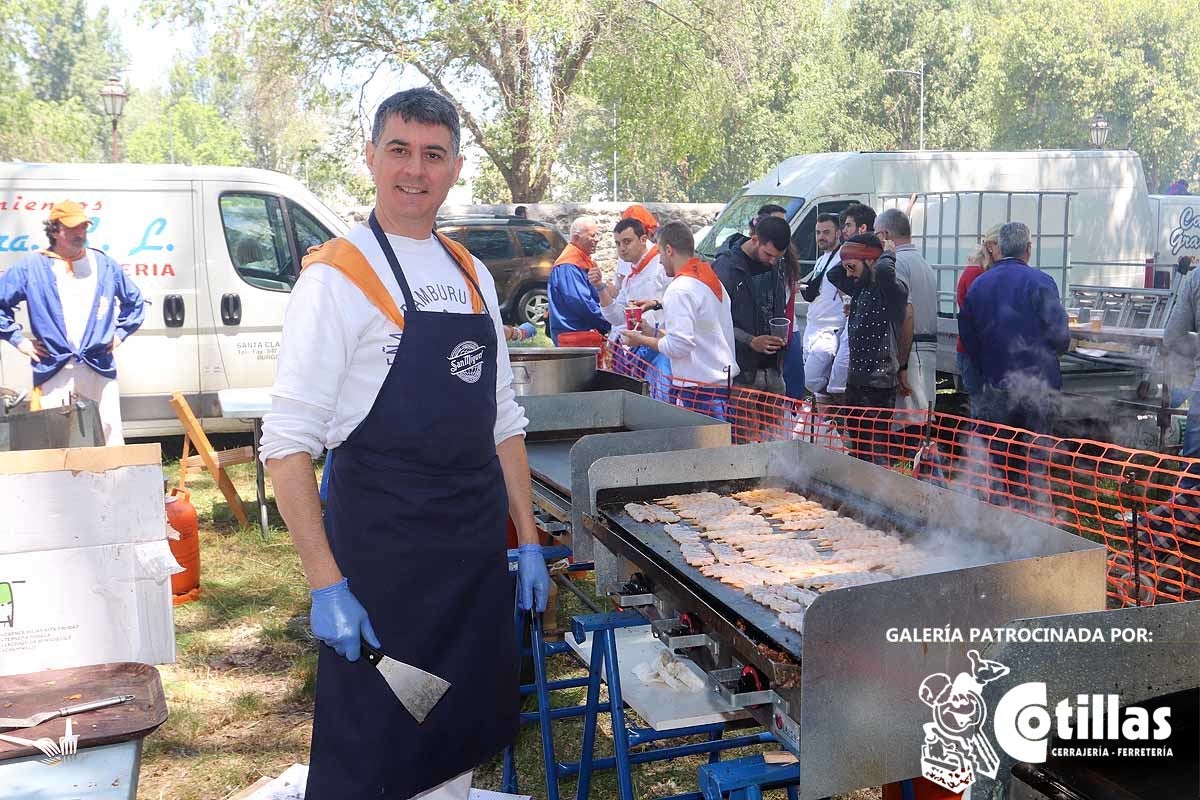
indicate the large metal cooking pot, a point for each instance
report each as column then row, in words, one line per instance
column 552, row 370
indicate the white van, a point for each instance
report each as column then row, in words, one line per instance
column 1177, row 225
column 1090, row 206
column 214, row 250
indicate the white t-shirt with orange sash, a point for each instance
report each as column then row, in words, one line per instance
column 699, row 325
column 647, row 283
column 338, row 343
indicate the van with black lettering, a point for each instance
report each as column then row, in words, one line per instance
column 1177, row 223
column 215, row 251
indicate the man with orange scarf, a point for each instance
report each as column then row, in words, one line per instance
column 650, row 224
column 699, row 326
column 574, row 301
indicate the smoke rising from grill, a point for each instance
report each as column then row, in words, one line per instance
column 948, row 544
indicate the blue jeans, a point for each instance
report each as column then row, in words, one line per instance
column 1191, row 434
column 707, row 400
column 971, row 379
column 793, row 368
column 659, row 378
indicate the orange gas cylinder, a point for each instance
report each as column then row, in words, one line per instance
column 181, row 515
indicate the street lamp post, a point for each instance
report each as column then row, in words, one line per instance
column 918, row 73
column 1099, row 132
column 113, row 95
column 615, row 142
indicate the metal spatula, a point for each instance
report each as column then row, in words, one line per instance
column 65, row 711
column 417, row 690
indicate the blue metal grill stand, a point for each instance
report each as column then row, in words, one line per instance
column 746, row 778
column 603, row 628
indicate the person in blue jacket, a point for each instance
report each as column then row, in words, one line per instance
column 573, row 290
column 81, row 308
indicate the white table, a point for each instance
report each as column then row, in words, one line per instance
column 251, row 404
column 662, row 707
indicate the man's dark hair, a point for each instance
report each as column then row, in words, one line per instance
column 521, row 211
column 775, row 232
column 764, row 211
column 678, row 237
column 861, row 214
column 52, row 227
column 424, row 106
column 639, row 229
column 829, row 218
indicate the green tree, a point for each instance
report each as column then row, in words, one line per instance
column 511, row 66
column 1058, row 63
column 55, row 57
column 182, row 130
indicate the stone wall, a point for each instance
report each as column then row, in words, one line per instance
column 560, row 215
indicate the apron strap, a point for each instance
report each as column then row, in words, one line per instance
column 458, row 254
column 466, row 265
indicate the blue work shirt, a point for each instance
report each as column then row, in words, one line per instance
column 574, row 302
column 118, row 312
column 1013, row 325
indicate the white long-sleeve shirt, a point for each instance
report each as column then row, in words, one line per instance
column 699, row 338
column 337, row 347
column 649, row 284
column 826, row 312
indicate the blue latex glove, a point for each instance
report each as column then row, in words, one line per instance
column 338, row 619
column 532, row 578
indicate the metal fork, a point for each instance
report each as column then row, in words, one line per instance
column 48, row 746
column 68, row 743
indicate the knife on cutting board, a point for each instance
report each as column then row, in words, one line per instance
column 417, row 690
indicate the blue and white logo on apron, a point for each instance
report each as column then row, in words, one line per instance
column 466, row 361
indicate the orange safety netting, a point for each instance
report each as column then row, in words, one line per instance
column 1092, row 489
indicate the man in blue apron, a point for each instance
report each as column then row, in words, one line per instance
column 393, row 355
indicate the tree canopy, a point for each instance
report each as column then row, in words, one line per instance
column 683, row 99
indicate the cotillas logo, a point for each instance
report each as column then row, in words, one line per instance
column 955, row 746
column 466, row 361
column 1083, row 726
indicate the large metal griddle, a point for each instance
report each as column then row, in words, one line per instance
column 839, row 695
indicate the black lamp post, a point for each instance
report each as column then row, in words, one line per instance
column 113, row 95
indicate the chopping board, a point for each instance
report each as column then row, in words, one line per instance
column 25, row 695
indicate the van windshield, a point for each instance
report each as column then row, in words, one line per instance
column 736, row 219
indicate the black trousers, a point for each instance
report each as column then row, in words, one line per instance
column 867, row 432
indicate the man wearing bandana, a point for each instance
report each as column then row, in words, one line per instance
column 879, row 304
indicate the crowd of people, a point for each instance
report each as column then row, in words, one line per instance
column 868, row 338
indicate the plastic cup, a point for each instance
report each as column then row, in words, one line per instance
column 633, row 317
column 780, row 327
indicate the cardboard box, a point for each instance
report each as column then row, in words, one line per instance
column 84, row 562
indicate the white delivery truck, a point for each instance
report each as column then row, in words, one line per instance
column 1110, row 232
column 1088, row 210
column 1176, row 226
column 214, row 250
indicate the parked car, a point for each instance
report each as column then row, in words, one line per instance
column 518, row 252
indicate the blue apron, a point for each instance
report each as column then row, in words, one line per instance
column 416, row 519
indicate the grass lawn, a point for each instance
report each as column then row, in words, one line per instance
column 240, row 694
